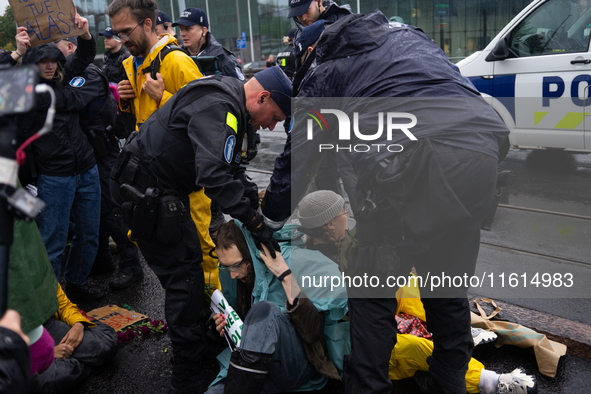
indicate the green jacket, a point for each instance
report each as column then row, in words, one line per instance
column 268, row 288
column 32, row 287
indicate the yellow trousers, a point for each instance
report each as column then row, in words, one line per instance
column 201, row 214
column 410, row 353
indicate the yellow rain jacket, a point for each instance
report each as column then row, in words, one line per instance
column 68, row 312
column 410, row 353
column 177, row 70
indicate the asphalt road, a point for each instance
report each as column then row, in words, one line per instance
column 557, row 183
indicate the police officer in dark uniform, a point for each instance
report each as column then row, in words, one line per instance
column 113, row 59
column 193, row 141
column 198, row 41
column 422, row 205
column 285, row 58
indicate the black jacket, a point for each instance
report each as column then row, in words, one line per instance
column 112, row 66
column 15, row 362
column 286, row 60
column 202, row 147
column 226, row 63
column 362, row 56
column 65, row 150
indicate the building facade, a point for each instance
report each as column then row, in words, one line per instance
column 459, row 27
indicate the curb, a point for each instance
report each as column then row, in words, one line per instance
column 576, row 336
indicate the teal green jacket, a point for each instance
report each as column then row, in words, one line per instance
column 303, row 263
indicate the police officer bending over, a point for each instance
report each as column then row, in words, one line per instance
column 192, row 142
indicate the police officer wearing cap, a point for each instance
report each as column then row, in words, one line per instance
column 198, row 41
column 306, row 12
column 192, row 142
column 164, row 24
column 113, row 60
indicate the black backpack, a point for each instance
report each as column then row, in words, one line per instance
column 206, row 64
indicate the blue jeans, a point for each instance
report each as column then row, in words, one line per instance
column 267, row 330
column 81, row 195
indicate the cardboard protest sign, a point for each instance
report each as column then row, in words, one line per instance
column 46, row 20
column 233, row 327
column 116, row 317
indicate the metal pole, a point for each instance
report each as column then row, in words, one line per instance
column 250, row 32
column 359, row 6
column 239, row 30
column 172, row 11
column 207, row 11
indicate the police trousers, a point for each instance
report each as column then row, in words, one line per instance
column 454, row 251
column 178, row 267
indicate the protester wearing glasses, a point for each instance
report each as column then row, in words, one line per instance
column 135, row 24
column 283, row 346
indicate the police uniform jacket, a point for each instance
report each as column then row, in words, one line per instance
column 286, row 60
column 177, row 70
column 226, row 63
column 113, row 65
column 366, row 56
column 206, row 122
column 65, row 151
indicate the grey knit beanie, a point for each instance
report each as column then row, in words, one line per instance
column 319, row 208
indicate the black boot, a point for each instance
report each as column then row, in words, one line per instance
column 187, row 377
column 247, row 373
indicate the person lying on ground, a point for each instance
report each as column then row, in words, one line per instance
column 323, row 216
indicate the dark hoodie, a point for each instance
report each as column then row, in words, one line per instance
column 365, row 56
column 64, row 151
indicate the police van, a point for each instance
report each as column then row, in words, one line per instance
column 536, row 74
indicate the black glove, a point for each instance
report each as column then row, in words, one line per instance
column 262, row 234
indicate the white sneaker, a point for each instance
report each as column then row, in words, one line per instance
column 517, row 382
column 481, row 336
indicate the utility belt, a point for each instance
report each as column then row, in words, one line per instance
column 102, row 141
column 148, row 211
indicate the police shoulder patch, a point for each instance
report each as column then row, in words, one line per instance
column 229, row 148
column 77, row 82
column 239, row 74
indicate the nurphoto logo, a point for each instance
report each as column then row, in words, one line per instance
column 391, row 119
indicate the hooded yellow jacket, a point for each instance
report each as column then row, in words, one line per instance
column 177, row 70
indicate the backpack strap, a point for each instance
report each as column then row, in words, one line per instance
column 155, row 66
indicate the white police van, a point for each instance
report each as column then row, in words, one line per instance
column 536, row 74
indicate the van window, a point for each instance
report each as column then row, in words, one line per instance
column 556, row 27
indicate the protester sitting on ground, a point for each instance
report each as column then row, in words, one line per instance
column 323, row 217
column 79, row 345
column 293, row 324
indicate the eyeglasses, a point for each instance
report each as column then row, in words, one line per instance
column 231, row 268
column 125, row 37
column 347, row 213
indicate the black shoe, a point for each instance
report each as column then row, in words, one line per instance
column 427, row 385
column 123, row 281
column 187, row 378
column 83, row 292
